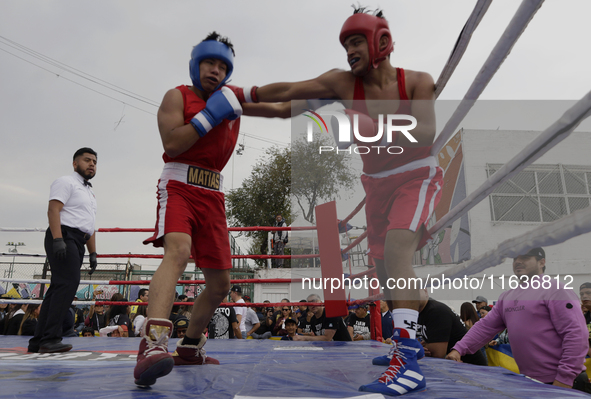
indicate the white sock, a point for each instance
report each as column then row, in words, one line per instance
column 407, row 319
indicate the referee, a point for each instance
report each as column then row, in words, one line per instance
column 71, row 213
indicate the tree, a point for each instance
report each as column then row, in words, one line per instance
column 318, row 176
column 303, row 172
column 261, row 196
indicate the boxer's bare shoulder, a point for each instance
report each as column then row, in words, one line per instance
column 419, row 85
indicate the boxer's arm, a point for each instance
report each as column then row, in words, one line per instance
column 421, row 91
column 324, row 86
column 275, row 110
column 176, row 136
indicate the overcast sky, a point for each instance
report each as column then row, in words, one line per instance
column 143, row 48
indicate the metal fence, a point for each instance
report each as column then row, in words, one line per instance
column 106, row 271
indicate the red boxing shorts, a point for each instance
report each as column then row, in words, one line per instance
column 189, row 201
column 401, row 198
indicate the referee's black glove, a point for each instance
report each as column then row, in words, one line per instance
column 59, row 248
column 93, row 263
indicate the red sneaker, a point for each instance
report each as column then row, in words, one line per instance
column 192, row 354
column 153, row 359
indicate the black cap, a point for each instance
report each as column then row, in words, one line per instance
column 247, row 298
column 181, row 322
column 585, row 285
column 536, row 252
column 236, row 288
column 290, row 320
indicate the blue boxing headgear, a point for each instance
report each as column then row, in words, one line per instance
column 210, row 49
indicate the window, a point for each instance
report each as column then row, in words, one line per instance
column 540, row 193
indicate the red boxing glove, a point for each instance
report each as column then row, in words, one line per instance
column 246, row 94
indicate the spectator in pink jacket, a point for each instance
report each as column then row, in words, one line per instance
column 547, row 328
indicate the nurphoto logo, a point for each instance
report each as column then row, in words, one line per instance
column 346, row 133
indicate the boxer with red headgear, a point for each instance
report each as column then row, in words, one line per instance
column 199, row 127
column 373, row 28
column 402, row 189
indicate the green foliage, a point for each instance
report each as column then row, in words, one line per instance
column 260, row 197
column 312, row 178
column 317, row 177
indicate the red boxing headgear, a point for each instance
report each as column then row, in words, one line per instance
column 373, row 28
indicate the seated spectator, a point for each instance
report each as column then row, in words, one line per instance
column 291, row 326
column 117, row 331
column 118, row 315
column 278, row 310
column 15, row 319
column 501, row 339
column 142, row 296
column 280, row 323
column 480, row 302
column 78, row 316
column 185, row 310
column 325, row 328
column 387, row 323
column 585, row 294
column 224, row 324
column 138, row 319
column 3, row 313
column 68, row 324
column 96, row 318
column 87, row 332
column 468, row 315
column 174, row 313
column 439, row 328
column 180, row 327
column 305, row 324
column 251, row 323
column 359, row 323
column 29, row 322
column 259, row 311
column 301, row 311
column 483, row 311
column 265, row 329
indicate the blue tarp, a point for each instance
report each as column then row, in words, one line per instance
column 103, row 367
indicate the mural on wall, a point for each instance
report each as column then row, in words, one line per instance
column 33, row 291
column 452, row 244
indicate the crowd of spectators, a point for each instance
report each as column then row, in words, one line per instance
column 439, row 329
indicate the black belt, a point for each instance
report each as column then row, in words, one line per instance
column 74, row 230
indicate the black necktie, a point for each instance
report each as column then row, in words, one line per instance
column 87, row 183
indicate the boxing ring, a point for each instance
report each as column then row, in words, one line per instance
column 103, row 367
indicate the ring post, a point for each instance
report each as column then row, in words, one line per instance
column 335, row 300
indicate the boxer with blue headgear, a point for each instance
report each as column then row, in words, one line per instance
column 211, row 49
column 199, row 127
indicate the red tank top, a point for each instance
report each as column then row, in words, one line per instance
column 374, row 162
column 214, row 150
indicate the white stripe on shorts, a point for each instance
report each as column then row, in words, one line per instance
column 422, row 197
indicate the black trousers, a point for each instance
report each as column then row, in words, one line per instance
column 65, row 278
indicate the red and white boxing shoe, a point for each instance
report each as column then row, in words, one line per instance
column 192, row 354
column 153, row 359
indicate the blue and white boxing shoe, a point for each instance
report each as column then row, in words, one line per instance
column 385, row 359
column 403, row 374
